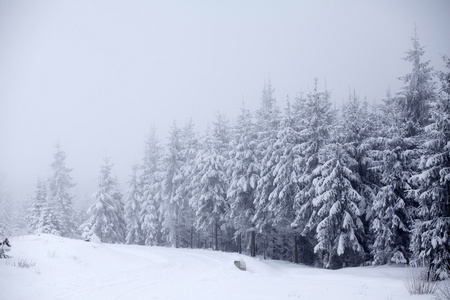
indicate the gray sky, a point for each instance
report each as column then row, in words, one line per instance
column 98, row 74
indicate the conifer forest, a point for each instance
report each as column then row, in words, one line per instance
column 299, row 179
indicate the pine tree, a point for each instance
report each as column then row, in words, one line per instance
column 107, row 213
column 6, row 213
column 392, row 156
column 170, row 207
column 59, row 184
column 185, row 185
column 243, row 170
column 209, row 195
column 419, row 89
column 42, row 211
column 430, row 236
column 317, row 119
column 357, row 129
column 150, row 216
column 267, row 125
column 336, row 216
column 132, row 210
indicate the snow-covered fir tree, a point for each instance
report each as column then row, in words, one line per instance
column 42, row 211
column 133, row 202
column 267, row 125
column 336, row 216
column 106, row 215
column 185, row 186
column 243, row 170
column 317, row 119
column 149, row 214
column 431, row 189
column 358, row 126
column 209, row 196
column 60, row 183
column 392, row 156
column 171, row 175
column 419, row 90
column 6, row 213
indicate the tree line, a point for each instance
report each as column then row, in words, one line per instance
column 307, row 183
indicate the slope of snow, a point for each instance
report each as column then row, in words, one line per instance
column 74, row 269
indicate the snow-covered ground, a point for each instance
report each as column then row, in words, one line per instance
column 60, row 268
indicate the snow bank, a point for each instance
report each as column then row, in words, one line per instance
column 75, row 269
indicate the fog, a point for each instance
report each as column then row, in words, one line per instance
column 97, row 75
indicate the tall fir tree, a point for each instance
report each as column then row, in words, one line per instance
column 60, row 183
column 151, row 178
column 267, row 125
column 336, row 216
column 314, row 134
column 184, row 186
column 282, row 158
column 209, row 196
column 431, row 189
column 392, row 156
column 419, row 90
column 133, row 204
column 106, row 215
column 243, row 170
column 42, row 211
column 171, row 207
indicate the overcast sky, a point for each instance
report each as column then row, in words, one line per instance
column 98, row 74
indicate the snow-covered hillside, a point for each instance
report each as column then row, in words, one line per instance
column 49, row 267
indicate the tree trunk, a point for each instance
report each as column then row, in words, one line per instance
column 216, row 244
column 239, row 243
column 192, row 237
column 295, row 250
column 253, row 244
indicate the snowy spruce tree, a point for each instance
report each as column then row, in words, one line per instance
column 42, row 211
column 209, row 195
column 358, row 126
column 133, row 204
column 243, row 170
column 60, row 183
column 419, row 90
column 106, row 215
column 171, row 175
column 336, row 216
column 185, row 186
column 149, row 215
column 392, row 156
column 267, row 125
column 431, row 189
column 316, row 119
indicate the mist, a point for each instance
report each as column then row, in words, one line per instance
column 98, row 75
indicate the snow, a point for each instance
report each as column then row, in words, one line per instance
column 75, row 269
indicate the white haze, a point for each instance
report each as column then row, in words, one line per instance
column 97, row 75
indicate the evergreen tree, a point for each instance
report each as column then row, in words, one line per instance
column 267, row 125
column 59, row 184
column 243, row 170
column 336, row 216
column 209, row 196
column 419, row 89
column 107, row 213
column 317, row 119
column 357, row 129
column 170, row 208
column 6, row 213
column 42, row 211
column 150, row 216
column 392, row 156
column 132, row 210
column 430, row 235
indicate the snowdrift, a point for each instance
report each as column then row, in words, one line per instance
column 50, row 267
